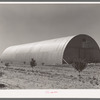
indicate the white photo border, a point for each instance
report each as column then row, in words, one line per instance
column 50, row 93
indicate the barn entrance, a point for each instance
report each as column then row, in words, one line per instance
column 82, row 47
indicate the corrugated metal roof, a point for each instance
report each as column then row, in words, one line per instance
column 48, row 52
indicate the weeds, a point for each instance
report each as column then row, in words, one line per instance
column 94, row 81
column 6, row 64
column 24, row 62
column 1, row 73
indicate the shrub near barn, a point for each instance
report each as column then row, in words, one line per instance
column 79, row 65
column 33, row 63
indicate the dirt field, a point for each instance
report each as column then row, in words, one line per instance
column 49, row 77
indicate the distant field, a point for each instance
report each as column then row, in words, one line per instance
column 49, row 77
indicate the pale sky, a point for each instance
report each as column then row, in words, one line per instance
column 33, row 22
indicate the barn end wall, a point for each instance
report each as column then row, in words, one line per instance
column 82, row 47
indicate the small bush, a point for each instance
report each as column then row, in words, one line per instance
column 2, row 85
column 6, row 64
column 1, row 73
column 33, row 63
column 24, row 62
column 43, row 63
column 79, row 65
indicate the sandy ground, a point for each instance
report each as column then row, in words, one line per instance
column 49, row 77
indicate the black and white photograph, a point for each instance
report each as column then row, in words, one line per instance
column 49, row 46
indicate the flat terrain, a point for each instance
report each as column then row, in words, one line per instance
column 49, row 77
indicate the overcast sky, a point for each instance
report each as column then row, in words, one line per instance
column 33, row 22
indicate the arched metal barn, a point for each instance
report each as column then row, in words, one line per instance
column 55, row 51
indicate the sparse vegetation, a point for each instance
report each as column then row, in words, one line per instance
column 24, row 62
column 6, row 64
column 94, row 81
column 2, row 85
column 42, row 63
column 1, row 73
column 79, row 65
column 49, row 77
column 33, row 63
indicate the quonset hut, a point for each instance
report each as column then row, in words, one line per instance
column 55, row 51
